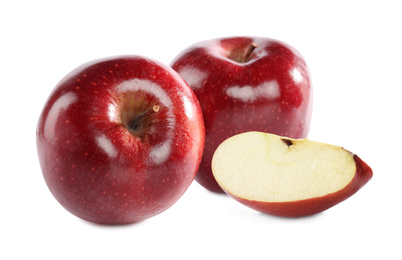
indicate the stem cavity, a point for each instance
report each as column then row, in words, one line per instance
column 250, row 52
column 242, row 54
column 136, row 122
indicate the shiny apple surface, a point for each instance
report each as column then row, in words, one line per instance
column 120, row 139
column 246, row 84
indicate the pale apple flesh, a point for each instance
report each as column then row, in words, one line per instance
column 287, row 177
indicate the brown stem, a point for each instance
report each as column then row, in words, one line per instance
column 133, row 125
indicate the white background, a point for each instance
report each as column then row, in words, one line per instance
column 353, row 49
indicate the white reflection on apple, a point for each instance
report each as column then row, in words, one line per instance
column 188, row 107
column 161, row 152
column 61, row 104
column 296, row 75
column 268, row 90
column 193, row 77
column 112, row 112
column 107, row 146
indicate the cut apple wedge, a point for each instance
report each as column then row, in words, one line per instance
column 287, row 177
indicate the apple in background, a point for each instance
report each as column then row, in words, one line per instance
column 287, row 177
column 246, row 84
column 120, row 139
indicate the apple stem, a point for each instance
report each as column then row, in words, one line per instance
column 134, row 123
column 250, row 51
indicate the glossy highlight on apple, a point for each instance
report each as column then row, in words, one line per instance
column 120, row 139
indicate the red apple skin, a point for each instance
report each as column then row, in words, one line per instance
column 94, row 165
column 270, row 91
column 303, row 208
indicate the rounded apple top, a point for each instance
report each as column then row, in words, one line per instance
column 251, row 69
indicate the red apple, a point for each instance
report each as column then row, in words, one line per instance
column 246, row 84
column 120, row 139
column 287, row 177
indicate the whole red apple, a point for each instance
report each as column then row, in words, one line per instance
column 120, row 139
column 246, row 84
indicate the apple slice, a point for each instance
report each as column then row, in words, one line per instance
column 287, row 177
